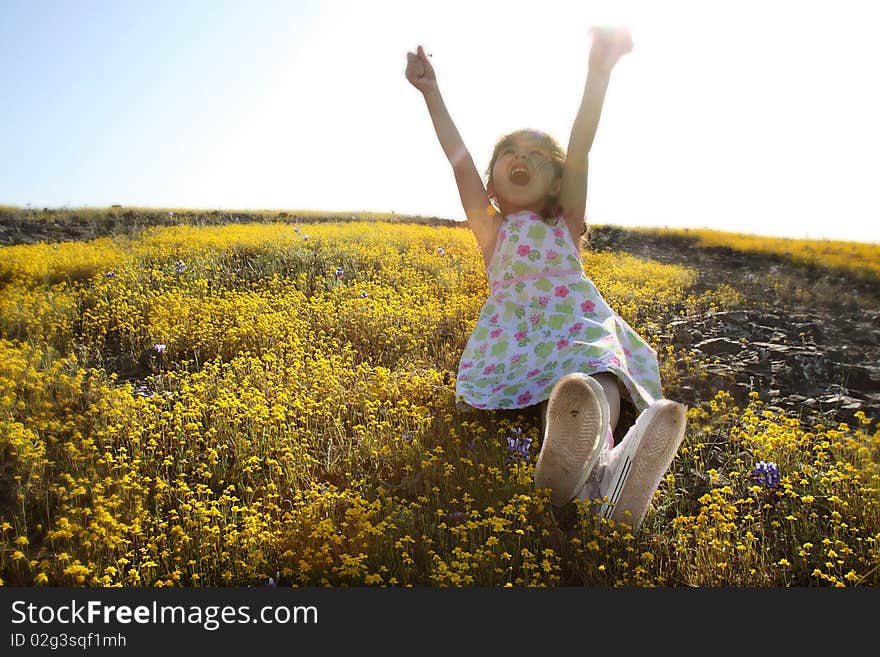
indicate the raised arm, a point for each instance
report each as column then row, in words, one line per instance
column 481, row 216
column 609, row 45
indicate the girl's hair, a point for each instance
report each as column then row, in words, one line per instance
column 551, row 207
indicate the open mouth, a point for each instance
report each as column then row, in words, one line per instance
column 520, row 176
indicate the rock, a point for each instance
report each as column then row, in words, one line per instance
column 835, row 354
column 718, row 346
column 804, row 355
column 779, row 336
column 682, row 336
column 862, row 377
column 772, row 348
column 741, row 392
column 842, row 401
column 732, row 316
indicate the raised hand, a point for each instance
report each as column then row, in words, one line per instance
column 419, row 71
column 609, row 45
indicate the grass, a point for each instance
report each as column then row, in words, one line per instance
column 302, row 427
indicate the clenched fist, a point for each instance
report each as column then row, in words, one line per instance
column 419, row 71
column 609, row 45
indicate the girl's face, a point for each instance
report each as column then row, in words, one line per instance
column 523, row 176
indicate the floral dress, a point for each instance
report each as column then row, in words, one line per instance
column 544, row 319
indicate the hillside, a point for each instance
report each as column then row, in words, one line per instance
column 226, row 399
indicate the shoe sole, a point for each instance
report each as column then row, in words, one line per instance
column 577, row 419
column 637, row 473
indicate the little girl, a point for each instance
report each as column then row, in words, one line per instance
column 545, row 335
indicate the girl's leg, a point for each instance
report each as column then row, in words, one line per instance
column 542, row 414
column 609, row 384
column 612, row 394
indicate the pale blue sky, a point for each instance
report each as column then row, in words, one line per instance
column 755, row 116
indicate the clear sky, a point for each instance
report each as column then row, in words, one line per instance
column 755, row 116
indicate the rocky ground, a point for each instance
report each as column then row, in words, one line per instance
column 806, row 339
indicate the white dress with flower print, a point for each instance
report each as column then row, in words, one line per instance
column 544, row 319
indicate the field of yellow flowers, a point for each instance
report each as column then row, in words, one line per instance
column 859, row 259
column 294, row 422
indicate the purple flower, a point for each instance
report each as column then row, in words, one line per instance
column 179, row 266
column 159, row 348
column 407, row 437
column 339, row 272
column 766, row 474
column 273, row 581
column 518, row 447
